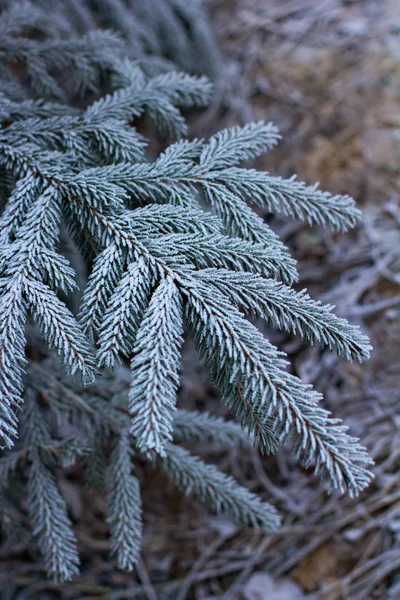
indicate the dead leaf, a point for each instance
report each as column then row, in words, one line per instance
column 262, row 586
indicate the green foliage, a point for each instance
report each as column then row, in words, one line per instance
column 218, row 491
column 47, row 508
column 124, row 505
column 171, row 247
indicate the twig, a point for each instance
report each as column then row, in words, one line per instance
column 251, row 563
column 200, row 562
column 366, row 310
column 145, row 579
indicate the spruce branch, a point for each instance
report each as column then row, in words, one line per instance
column 289, row 196
column 47, row 508
column 88, row 139
column 216, row 490
column 14, row 111
column 84, row 56
column 231, row 146
column 51, row 524
column 8, row 464
column 220, row 251
column 123, row 313
column 166, row 219
column 251, row 374
column 60, row 329
column 105, row 275
column 95, row 466
column 161, row 240
column 20, row 14
column 155, row 365
column 19, row 202
column 159, row 96
column 241, row 221
column 124, row 505
column 289, row 310
column 193, row 426
column 292, row 198
column 12, row 358
column 254, row 407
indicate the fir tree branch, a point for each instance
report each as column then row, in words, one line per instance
column 85, row 56
column 292, row 198
column 11, row 110
column 289, row 310
column 155, row 365
column 251, row 375
column 153, row 256
column 8, row 464
column 193, row 426
column 124, row 505
column 123, row 313
column 51, row 524
column 60, row 329
column 107, row 271
column 12, row 358
column 231, row 146
column 221, row 251
column 216, row 490
column 241, row 221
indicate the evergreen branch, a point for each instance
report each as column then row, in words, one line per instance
column 60, row 329
column 107, row 271
column 123, row 313
column 286, row 196
column 117, row 142
column 88, row 139
column 41, row 226
column 85, row 56
column 192, row 426
column 252, row 377
column 34, row 428
column 291, row 198
column 216, row 490
column 289, row 310
column 59, row 274
column 155, row 220
column 160, row 97
column 119, row 16
column 95, row 465
column 11, row 110
column 20, row 15
column 153, row 255
column 241, row 221
column 155, row 364
column 31, row 159
column 124, row 505
column 12, row 358
column 229, row 147
column 65, row 452
column 20, row 201
column 51, row 524
column 8, row 464
column 219, row 251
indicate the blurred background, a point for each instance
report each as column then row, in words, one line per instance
column 327, row 73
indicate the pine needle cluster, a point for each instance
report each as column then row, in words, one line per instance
column 152, row 251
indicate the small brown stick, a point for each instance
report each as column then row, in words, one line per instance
column 251, row 563
column 145, row 579
column 200, row 562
